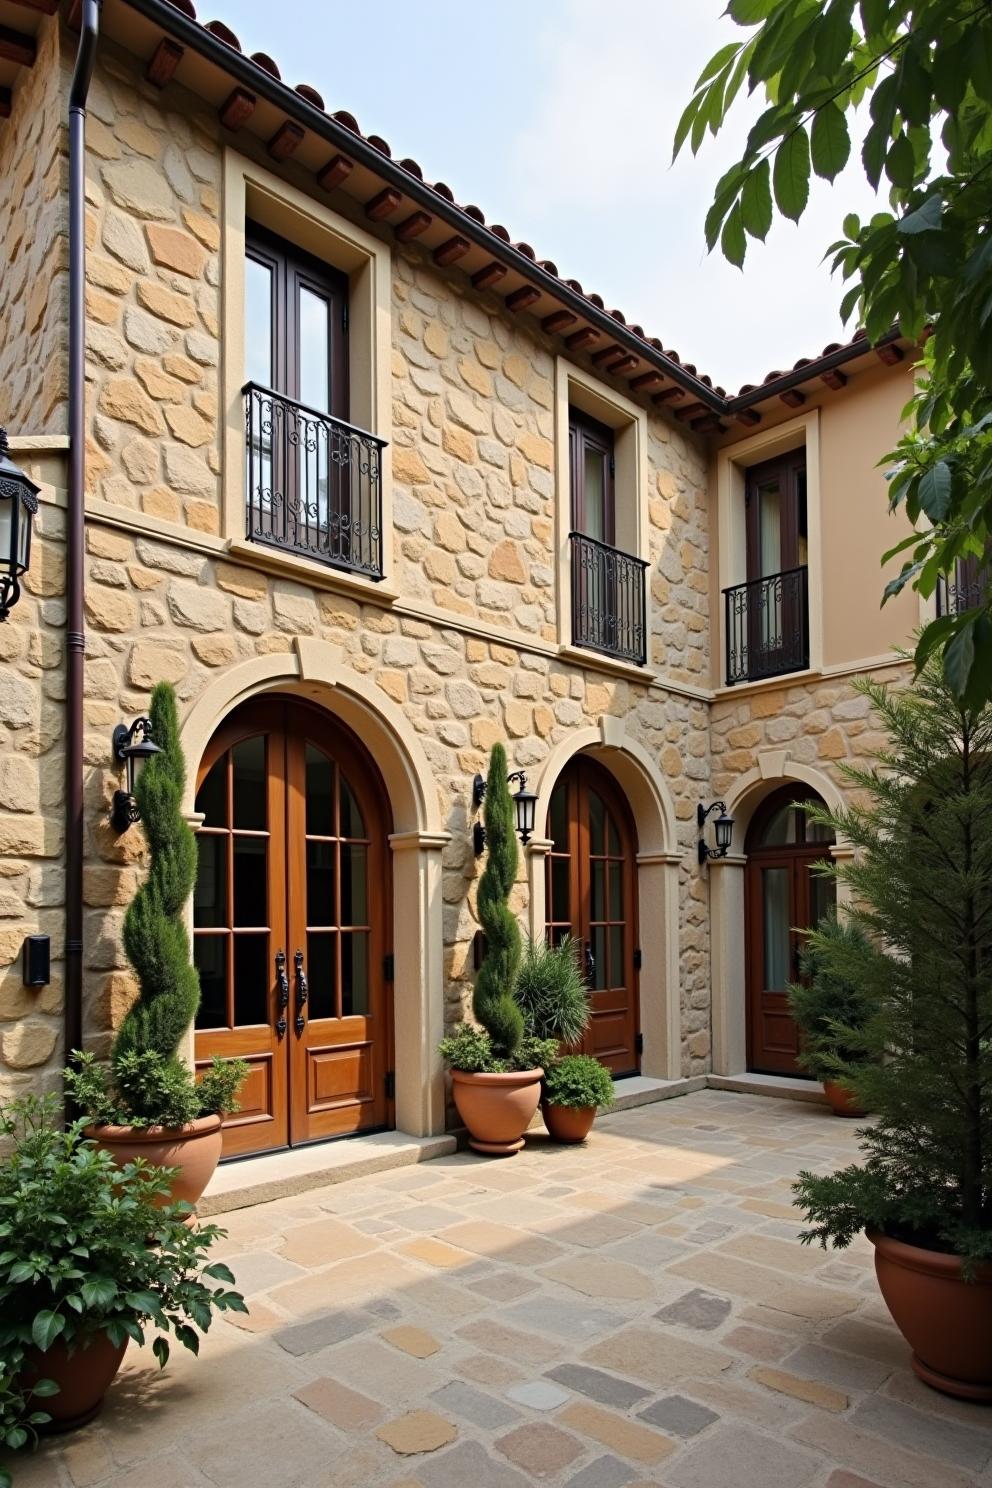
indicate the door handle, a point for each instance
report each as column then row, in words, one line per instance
column 302, row 991
column 282, row 992
column 590, row 965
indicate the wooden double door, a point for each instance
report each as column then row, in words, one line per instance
column 785, row 897
column 591, row 895
column 291, row 913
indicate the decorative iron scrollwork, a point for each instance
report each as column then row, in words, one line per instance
column 302, row 992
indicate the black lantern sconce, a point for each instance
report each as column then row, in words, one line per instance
column 524, row 806
column 18, row 504
column 133, row 747
column 723, row 828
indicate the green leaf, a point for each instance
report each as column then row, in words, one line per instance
column 756, row 201
column 16, row 1437
column 99, row 1292
column 43, row 1388
column 874, row 151
column 830, row 142
column 46, row 1328
column 926, row 218
column 934, row 491
column 160, row 1348
column 900, row 162
column 750, row 12
column 791, row 175
column 733, row 242
column 718, row 61
column 22, row 1271
column 686, row 122
column 934, row 635
column 959, row 658
column 219, row 1272
column 144, row 1302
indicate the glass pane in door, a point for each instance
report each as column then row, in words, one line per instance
column 258, row 322
column 775, row 927
column 594, row 493
column 314, row 436
column 822, row 897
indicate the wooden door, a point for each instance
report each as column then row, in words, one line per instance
column 290, row 913
column 591, row 895
column 784, row 898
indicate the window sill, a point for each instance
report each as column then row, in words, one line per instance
column 599, row 661
column 769, row 684
column 306, row 571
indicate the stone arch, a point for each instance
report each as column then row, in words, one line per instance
column 658, row 860
column 774, row 768
column 314, row 670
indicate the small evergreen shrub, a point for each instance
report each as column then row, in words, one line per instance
column 578, row 1080
column 831, row 1007
column 470, row 1050
column 493, row 1003
column 921, row 884
column 551, row 991
column 146, row 1090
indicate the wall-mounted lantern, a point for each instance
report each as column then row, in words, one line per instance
column 723, row 829
column 133, row 747
column 18, row 504
column 524, row 807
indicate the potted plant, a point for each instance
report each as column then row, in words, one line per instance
column 495, row 1082
column 575, row 1088
column 89, row 1260
column 922, row 892
column 832, row 1012
column 150, row 1105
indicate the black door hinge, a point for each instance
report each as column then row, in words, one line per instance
column 344, row 316
column 388, row 968
column 639, row 1044
column 390, row 1083
column 613, row 465
column 638, row 959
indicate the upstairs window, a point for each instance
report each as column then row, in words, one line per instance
column 767, row 617
column 777, row 532
column 593, row 478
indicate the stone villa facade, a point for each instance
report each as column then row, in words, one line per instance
column 470, row 631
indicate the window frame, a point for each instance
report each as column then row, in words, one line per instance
column 292, row 269
column 584, row 433
column 787, row 468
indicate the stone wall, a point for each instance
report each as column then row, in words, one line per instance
column 34, row 246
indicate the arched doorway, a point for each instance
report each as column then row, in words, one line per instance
column 783, row 897
column 590, row 893
column 291, row 915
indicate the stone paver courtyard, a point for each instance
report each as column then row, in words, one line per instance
column 637, row 1311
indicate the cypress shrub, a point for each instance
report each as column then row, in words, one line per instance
column 493, row 1002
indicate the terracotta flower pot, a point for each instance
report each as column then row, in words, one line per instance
column 946, row 1321
column 497, row 1109
column 842, row 1101
column 83, row 1378
column 568, row 1123
column 193, row 1149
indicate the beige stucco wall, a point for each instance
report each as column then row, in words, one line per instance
column 34, row 246
column 858, row 426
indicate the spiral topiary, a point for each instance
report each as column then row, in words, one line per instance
column 154, row 934
column 493, row 1002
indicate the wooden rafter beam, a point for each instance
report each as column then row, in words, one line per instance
column 287, row 139
column 163, row 62
column 337, row 170
column 451, row 251
column 625, row 364
column 668, row 395
column 557, row 322
column 383, row 204
column 523, row 298
column 793, row 398
column 606, row 355
column 692, row 411
column 890, row 354
column 748, row 417
column 491, row 274
column 834, row 379
column 646, row 380
column 15, row 46
column 237, row 108
column 588, row 336
column 411, row 227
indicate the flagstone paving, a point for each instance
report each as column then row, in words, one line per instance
column 636, row 1311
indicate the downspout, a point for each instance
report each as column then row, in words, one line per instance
column 75, row 638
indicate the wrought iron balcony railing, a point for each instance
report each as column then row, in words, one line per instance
column 969, row 590
column 767, row 626
column 314, row 483
column 608, row 606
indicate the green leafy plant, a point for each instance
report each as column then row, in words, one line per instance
column 924, row 261
column 832, row 1008
column 144, row 1089
column 493, row 1002
column 921, row 892
column 86, row 1249
column 578, row 1080
column 19, row 1416
column 470, row 1050
column 551, row 991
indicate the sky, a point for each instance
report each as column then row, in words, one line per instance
column 557, row 120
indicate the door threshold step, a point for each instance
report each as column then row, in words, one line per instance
column 279, row 1175
column 783, row 1087
column 643, row 1090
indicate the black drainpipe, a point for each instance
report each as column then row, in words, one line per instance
column 75, row 639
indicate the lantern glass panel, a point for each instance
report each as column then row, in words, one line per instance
column 724, row 832
column 6, row 532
